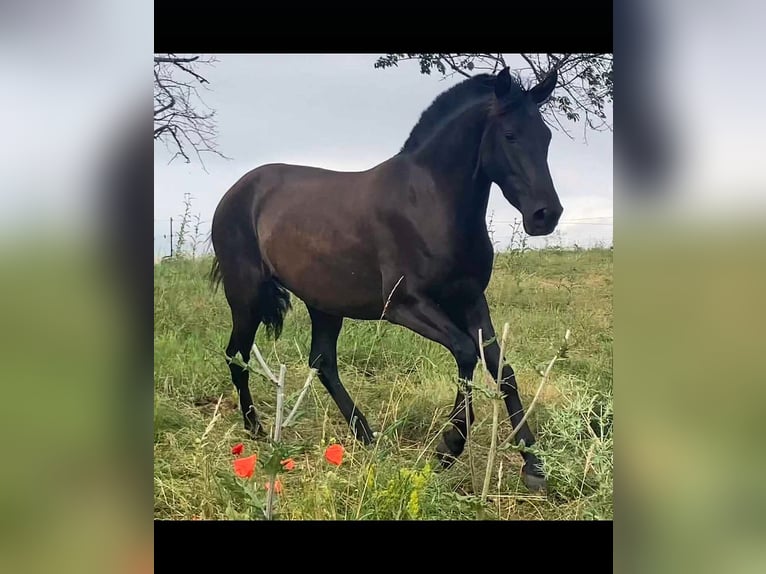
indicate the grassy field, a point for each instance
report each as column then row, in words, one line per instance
column 406, row 386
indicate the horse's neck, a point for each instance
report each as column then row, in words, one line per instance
column 452, row 156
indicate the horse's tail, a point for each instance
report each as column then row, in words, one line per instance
column 273, row 303
column 273, row 299
column 237, row 262
column 216, row 276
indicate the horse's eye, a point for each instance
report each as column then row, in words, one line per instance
column 510, row 137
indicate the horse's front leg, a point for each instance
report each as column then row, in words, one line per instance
column 478, row 318
column 423, row 316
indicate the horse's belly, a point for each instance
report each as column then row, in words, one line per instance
column 335, row 283
column 338, row 290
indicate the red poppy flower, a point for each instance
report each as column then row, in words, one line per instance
column 277, row 486
column 237, row 449
column 288, row 464
column 334, row 454
column 244, row 467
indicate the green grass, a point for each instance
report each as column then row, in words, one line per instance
column 406, row 386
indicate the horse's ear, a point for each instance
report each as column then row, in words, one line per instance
column 503, row 83
column 544, row 89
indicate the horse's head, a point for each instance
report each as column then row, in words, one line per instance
column 514, row 152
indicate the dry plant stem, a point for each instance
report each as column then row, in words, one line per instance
column 305, row 389
column 468, row 430
column 468, row 434
column 388, row 301
column 212, row 421
column 264, row 366
column 588, row 460
column 280, row 402
column 267, row 371
column 382, row 316
column 495, row 412
column 499, row 482
column 481, row 356
column 277, row 435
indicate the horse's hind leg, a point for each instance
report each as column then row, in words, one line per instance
column 242, row 296
column 245, row 324
column 323, row 357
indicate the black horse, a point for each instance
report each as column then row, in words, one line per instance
column 405, row 241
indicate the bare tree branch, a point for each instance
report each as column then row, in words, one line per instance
column 174, row 59
column 532, row 66
column 451, row 61
column 177, row 122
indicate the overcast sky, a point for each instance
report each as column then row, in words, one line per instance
column 339, row 112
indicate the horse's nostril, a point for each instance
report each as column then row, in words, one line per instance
column 540, row 215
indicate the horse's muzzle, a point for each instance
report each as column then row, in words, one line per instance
column 543, row 220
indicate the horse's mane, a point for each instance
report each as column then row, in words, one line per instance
column 449, row 102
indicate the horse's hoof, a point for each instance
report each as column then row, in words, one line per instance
column 363, row 434
column 366, row 440
column 534, row 482
column 444, row 455
column 255, row 433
